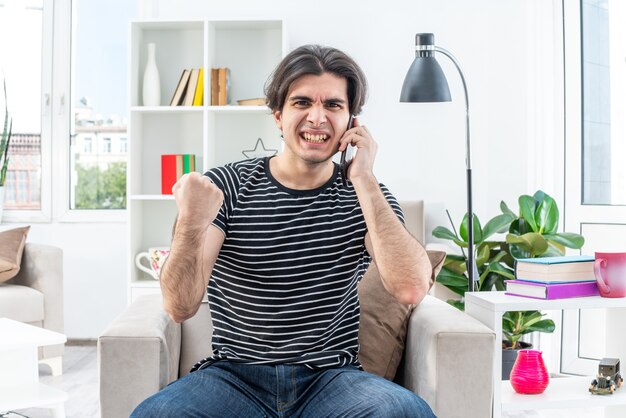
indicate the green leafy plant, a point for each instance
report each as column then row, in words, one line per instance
column 5, row 140
column 532, row 232
column 518, row 323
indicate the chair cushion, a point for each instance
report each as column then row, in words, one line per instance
column 383, row 323
column 21, row 303
column 11, row 248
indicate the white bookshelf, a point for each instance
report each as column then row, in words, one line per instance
column 215, row 134
column 562, row 392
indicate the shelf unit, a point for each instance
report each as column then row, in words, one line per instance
column 562, row 392
column 215, row 134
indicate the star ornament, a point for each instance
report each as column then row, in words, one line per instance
column 259, row 151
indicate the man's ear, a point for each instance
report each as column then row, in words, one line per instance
column 278, row 119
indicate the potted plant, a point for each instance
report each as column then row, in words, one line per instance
column 5, row 140
column 532, row 232
column 514, row 325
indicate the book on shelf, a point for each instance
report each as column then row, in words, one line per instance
column 190, row 92
column 179, row 93
column 198, row 98
column 538, row 290
column 189, row 163
column 173, row 166
column 215, row 89
column 260, row 101
column 578, row 268
column 224, row 86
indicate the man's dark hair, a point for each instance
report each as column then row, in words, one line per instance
column 316, row 60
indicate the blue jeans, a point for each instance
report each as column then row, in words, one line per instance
column 227, row 389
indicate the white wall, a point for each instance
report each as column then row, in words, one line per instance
column 421, row 146
column 94, row 267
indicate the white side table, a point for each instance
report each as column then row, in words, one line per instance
column 19, row 371
column 566, row 392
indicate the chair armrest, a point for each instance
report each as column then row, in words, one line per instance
column 42, row 269
column 449, row 360
column 138, row 354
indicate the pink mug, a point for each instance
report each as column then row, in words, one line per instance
column 610, row 272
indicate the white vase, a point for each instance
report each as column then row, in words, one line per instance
column 151, row 82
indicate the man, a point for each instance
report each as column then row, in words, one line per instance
column 281, row 243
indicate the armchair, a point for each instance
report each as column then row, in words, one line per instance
column 35, row 296
column 448, row 356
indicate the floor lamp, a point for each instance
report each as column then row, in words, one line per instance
column 425, row 82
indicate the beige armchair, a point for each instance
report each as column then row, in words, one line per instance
column 35, row 296
column 447, row 354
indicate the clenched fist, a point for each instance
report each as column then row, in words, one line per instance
column 198, row 200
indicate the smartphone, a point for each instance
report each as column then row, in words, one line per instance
column 346, row 156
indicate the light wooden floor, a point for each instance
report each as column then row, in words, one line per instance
column 79, row 380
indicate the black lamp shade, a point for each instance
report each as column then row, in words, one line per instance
column 425, row 82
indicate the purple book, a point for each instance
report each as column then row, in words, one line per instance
column 538, row 290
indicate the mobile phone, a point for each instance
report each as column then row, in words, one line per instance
column 346, row 156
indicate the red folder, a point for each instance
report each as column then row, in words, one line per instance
column 168, row 172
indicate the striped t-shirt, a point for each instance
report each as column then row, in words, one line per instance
column 284, row 285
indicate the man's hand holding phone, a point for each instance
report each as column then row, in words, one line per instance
column 346, row 155
column 362, row 164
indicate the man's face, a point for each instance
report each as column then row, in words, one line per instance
column 314, row 117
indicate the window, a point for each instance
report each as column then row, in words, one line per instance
column 595, row 196
column 123, row 146
column 87, row 145
column 99, row 102
column 106, row 145
column 22, row 64
column 88, row 103
column 604, row 102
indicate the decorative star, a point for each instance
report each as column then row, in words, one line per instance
column 257, row 153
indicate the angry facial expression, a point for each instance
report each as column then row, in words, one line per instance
column 314, row 117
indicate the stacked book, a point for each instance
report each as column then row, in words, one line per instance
column 220, row 86
column 190, row 88
column 173, row 166
column 553, row 277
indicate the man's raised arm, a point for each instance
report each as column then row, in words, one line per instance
column 195, row 246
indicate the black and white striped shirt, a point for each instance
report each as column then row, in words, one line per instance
column 284, row 285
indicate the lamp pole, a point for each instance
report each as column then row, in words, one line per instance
column 472, row 271
column 426, row 82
